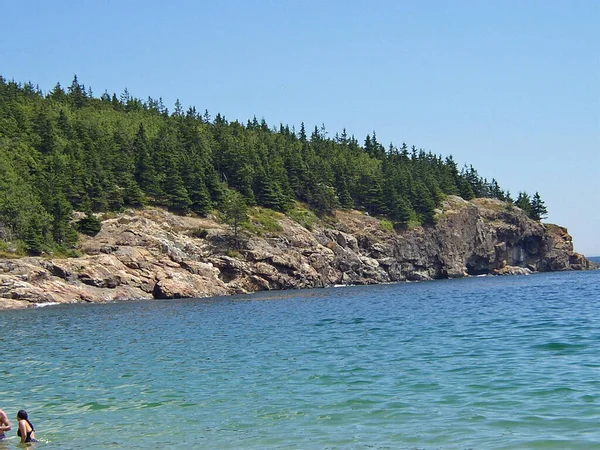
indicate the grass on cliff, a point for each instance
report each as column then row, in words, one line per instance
column 8, row 250
column 387, row 225
column 17, row 249
column 263, row 220
column 303, row 216
column 8, row 255
column 411, row 223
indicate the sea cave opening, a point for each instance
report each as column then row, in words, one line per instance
column 476, row 265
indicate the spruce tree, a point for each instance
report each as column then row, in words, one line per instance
column 524, row 202
column 146, row 174
column 89, row 225
column 177, row 196
column 33, row 239
column 235, row 211
column 538, row 208
column 77, row 95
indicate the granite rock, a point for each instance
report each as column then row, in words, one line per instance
column 151, row 253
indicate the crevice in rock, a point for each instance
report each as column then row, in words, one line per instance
column 477, row 265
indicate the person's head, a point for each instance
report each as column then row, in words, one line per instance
column 22, row 415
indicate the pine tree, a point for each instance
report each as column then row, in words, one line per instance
column 424, row 204
column 235, row 211
column 178, row 112
column 400, row 210
column 34, row 238
column 302, row 135
column 538, row 208
column 89, row 225
column 193, row 175
column 77, row 95
column 146, row 175
column 324, row 199
column 46, row 132
column 177, row 196
column 343, row 194
column 58, row 94
column 371, row 197
column 524, row 202
column 132, row 194
column 268, row 192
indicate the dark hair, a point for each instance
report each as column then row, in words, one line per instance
column 22, row 415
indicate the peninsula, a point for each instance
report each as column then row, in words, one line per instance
column 113, row 197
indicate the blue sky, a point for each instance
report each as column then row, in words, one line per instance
column 512, row 87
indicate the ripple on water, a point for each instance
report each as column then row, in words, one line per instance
column 95, row 406
column 562, row 347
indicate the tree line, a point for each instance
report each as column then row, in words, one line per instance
column 67, row 150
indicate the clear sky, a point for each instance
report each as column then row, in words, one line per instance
column 510, row 86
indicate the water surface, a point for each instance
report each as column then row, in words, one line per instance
column 482, row 363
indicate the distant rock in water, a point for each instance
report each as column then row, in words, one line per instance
column 154, row 254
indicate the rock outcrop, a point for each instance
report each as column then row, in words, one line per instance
column 154, row 254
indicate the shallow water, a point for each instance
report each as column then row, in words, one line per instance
column 482, row 363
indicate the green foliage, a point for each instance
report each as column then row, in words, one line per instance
column 524, row 202
column 235, row 212
column 60, row 252
column 89, row 225
column 265, row 220
column 6, row 249
column 7, row 255
column 538, row 208
column 323, row 199
column 303, row 216
column 387, row 225
column 34, row 239
column 69, row 151
column 413, row 222
column 534, row 207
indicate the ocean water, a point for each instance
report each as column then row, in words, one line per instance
column 477, row 363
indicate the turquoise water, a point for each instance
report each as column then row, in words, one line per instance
column 478, row 363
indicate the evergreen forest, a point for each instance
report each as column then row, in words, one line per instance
column 67, row 150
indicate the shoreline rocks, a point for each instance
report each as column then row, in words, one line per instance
column 154, row 254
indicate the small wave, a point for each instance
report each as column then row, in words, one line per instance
column 152, row 404
column 95, row 406
column 555, row 346
column 351, row 321
column 558, row 444
column 553, row 391
column 43, row 305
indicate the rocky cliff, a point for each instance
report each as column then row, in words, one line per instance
column 154, row 254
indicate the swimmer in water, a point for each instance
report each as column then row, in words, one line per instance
column 26, row 431
column 4, row 424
